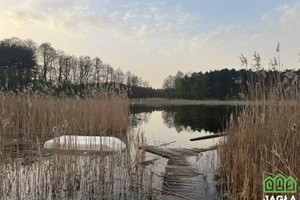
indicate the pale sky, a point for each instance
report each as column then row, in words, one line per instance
column 154, row 39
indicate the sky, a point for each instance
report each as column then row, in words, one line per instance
column 155, row 39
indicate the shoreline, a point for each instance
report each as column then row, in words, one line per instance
column 165, row 101
column 183, row 102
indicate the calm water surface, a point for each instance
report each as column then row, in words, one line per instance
column 177, row 125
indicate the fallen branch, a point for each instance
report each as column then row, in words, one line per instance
column 208, row 136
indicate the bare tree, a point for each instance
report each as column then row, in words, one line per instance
column 47, row 55
column 112, row 75
column 69, row 61
column 84, row 64
column 62, row 61
column 128, row 78
column 120, row 77
column 52, row 68
column 98, row 66
column 135, row 80
column 108, row 70
column 74, row 68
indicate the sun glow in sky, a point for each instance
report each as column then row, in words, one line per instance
column 154, row 39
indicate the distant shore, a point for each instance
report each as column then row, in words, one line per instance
column 165, row 101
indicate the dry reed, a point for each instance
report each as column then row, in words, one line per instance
column 28, row 120
column 264, row 140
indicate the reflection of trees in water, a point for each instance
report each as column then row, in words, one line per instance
column 139, row 118
column 140, row 114
column 134, row 109
column 197, row 118
column 189, row 118
column 168, row 119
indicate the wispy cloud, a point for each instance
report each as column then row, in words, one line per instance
column 138, row 23
column 71, row 17
column 280, row 24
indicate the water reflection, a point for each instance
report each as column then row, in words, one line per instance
column 186, row 118
column 175, row 126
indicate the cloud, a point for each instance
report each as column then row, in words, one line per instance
column 71, row 17
column 20, row 17
column 128, row 16
column 290, row 17
column 129, row 20
column 280, row 24
column 131, row 4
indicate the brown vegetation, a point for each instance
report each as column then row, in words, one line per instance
column 264, row 140
column 26, row 172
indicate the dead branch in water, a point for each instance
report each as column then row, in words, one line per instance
column 208, row 136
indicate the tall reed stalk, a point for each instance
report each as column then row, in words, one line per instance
column 28, row 119
column 264, row 140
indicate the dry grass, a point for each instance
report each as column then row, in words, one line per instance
column 24, row 120
column 26, row 172
column 264, row 140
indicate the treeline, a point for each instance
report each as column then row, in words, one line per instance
column 210, row 85
column 222, row 84
column 23, row 63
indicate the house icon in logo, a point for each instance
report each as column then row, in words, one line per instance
column 280, row 184
column 290, row 185
column 268, row 185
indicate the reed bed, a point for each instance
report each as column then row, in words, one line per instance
column 264, row 139
column 27, row 172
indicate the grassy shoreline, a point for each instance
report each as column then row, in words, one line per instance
column 165, row 101
column 182, row 102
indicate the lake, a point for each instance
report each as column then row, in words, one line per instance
column 173, row 127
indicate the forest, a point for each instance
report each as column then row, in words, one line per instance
column 222, row 84
column 23, row 63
